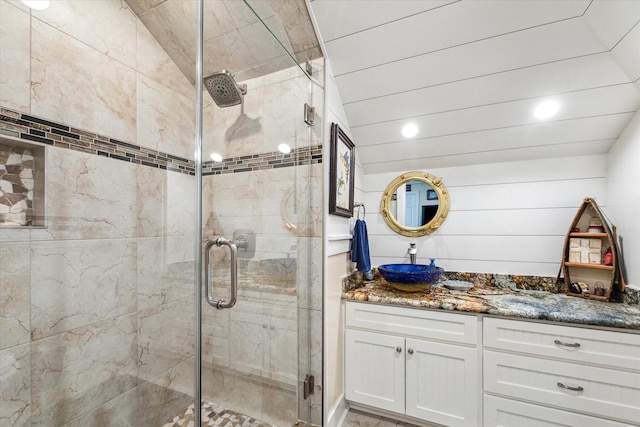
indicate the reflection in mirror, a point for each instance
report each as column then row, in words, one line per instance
column 415, row 204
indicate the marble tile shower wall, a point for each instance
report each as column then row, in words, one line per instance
column 100, row 302
column 91, row 221
column 97, row 325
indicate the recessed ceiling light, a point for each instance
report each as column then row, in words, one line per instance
column 216, row 157
column 409, row 130
column 546, row 110
column 284, row 148
column 37, row 4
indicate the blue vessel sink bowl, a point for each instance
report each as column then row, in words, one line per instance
column 410, row 277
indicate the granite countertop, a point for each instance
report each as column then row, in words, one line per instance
column 518, row 303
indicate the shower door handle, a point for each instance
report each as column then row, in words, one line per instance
column 221, row 241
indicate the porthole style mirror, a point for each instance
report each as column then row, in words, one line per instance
column 415, row 204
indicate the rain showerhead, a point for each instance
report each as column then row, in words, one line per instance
column 224, row 90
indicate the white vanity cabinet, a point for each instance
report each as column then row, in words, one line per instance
column 419, row 363
column 454, row 369
column 550, row 375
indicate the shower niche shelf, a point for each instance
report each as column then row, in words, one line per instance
column 21, row 183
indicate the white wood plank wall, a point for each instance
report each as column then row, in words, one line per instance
column 335, row 226
column 508, row 218
column 338, row 266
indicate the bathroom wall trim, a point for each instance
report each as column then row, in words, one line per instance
column 338, row 413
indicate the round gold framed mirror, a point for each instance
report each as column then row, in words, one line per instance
column 415, row 204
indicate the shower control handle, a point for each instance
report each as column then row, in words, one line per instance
column 221, row 241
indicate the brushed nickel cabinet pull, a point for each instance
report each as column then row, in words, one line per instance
column 565, row 344
column 566, row 387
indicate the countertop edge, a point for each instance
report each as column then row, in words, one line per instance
column 525, row 305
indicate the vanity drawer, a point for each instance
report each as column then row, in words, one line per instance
column 585, row 389
column 616, row 349
column 457, row 328
column 499, row 412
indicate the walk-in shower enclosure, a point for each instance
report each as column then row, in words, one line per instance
column 98, row 213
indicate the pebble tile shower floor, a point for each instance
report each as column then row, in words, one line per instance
column 214, row 415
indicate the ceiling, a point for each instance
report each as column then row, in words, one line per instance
column 234, row 38
column 470, row 73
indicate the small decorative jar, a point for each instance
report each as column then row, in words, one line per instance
column 595, row 225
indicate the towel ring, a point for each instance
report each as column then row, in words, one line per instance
column 364, row 211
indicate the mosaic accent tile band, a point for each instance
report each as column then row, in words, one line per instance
column 35, row 129
column 30, row 128
column 273, row 160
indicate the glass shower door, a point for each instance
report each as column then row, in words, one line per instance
column 97, row 264
column 262, row 176
column 97, row 256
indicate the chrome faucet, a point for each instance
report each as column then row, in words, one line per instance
column 413, row 252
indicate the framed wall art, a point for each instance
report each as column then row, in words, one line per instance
column 341, row 173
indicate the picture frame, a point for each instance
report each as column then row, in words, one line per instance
column 432, row 195
column 341, row 173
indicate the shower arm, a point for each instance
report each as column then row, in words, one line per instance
column 221, row 241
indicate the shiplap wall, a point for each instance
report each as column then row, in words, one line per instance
column 508, row 218
column 623, row 191
column 337, row 244
column 337, row 228
column 337, row 266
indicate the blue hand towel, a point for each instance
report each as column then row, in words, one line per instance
column 360, row 247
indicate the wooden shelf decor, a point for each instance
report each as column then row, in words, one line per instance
column 583, row 262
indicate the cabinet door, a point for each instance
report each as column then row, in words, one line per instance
column 374, row 370
column 442, row 383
